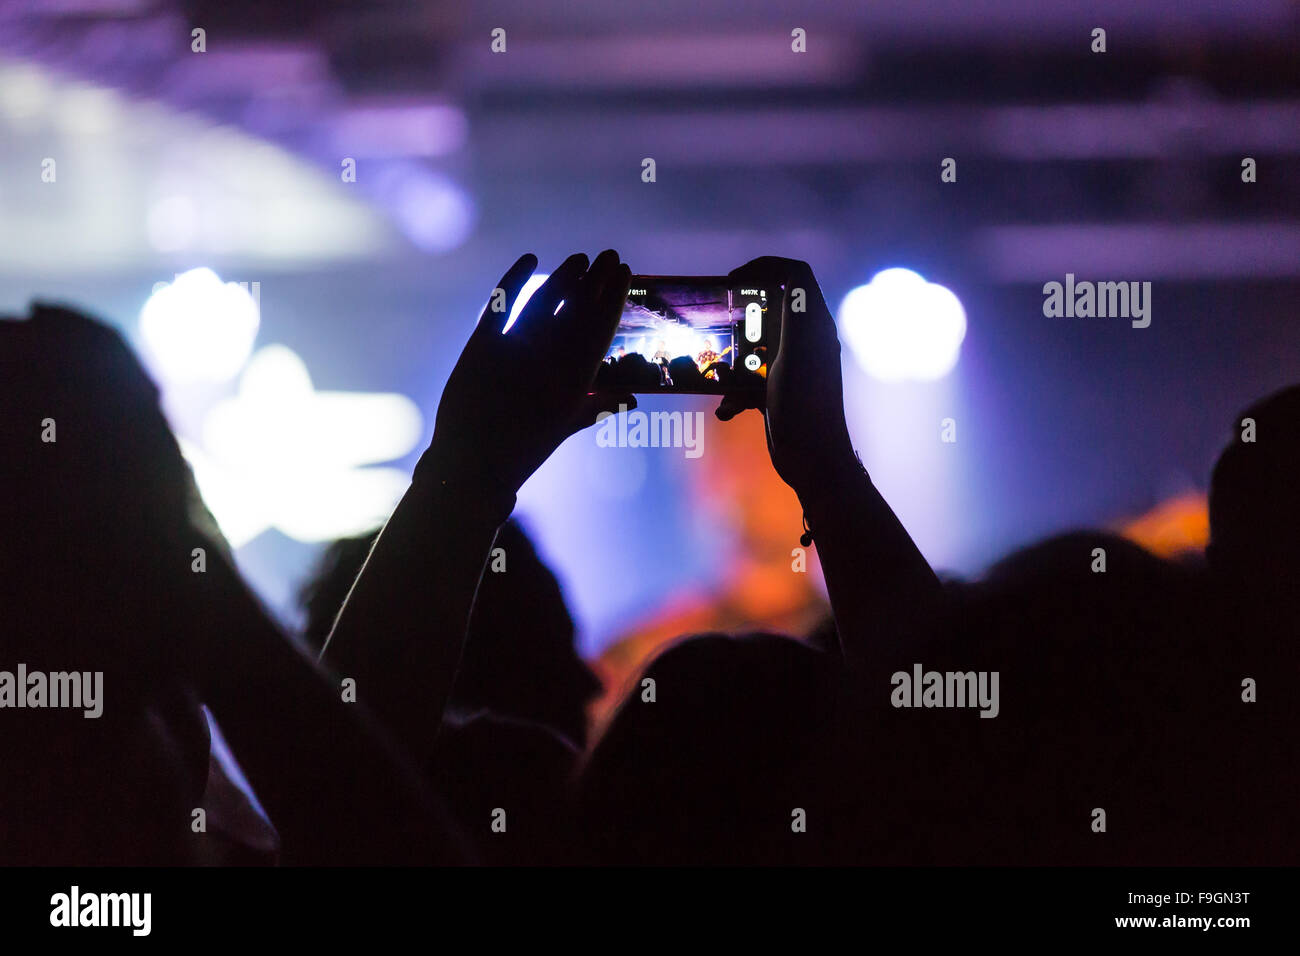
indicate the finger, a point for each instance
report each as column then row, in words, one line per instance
column 774, row 270
column 806, row 327
column 728, row 408
column 611, row 403
column 586, row 325
column 774, row 274
column 741, row 393
column 734, row 403
column 769, row 269
column 602, row 271
column 560, row 287
column 497, row 312
column 803, row 325
column 592, row 330
column 598, row 405
column 576, row 312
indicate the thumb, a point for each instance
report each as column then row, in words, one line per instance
column 597, row 405
column 733, row 404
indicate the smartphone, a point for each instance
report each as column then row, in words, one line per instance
column 695, row 335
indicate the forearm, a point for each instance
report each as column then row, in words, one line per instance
column 880, row 585
column 401, row 631
column 336, row 791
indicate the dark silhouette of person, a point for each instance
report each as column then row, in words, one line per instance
column 1254, row 547
column 1103, row 671
column 629, row 373
column 1254, row 559
column 1102, row 680
column 704, row 760
column 519, row 660
column 687, row 377
column 509, row 785
column 102, row 573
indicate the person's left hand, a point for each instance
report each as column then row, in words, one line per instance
column 515, row 396
column 803, row 403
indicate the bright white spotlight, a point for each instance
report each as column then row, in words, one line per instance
column 199, row 329
column 172, row 223
column 88, row 110
column 682, row 340
column 25, row 92
column 280, row 454
column 901, row 327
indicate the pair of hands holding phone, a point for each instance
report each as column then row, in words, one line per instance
column 515, row 396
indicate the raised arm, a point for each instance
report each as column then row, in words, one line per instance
column 514, row 396
column 880, row 584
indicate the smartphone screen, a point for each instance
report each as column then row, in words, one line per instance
column 689, row 334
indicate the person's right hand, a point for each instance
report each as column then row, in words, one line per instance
column 807, row 435
column 515, row 396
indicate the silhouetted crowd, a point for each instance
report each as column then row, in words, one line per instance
column 635, row 372
column 1110, row 706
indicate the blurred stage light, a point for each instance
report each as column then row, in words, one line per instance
column 434, row 213
column 172, row 224
column 149, row 178
column 280, row 454
column 199, row 329
column 902, row 328
column 681, row 340
column 25, row 92
column 86, row 110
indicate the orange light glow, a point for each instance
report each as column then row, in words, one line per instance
column 1174, row 527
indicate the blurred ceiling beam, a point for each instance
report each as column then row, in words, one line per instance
column 835, row 136
column 958, row 21
column 1184, row 251
column 660, row 61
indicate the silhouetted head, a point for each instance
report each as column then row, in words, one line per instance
column 685, row 373
column 1087, row 606
column 104, row 514
column 100, row 517
column 700, row 762
column 1104, row 663
column 519, row 659
column 1254, row 496
column 1254, row 558
column 508, row 783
